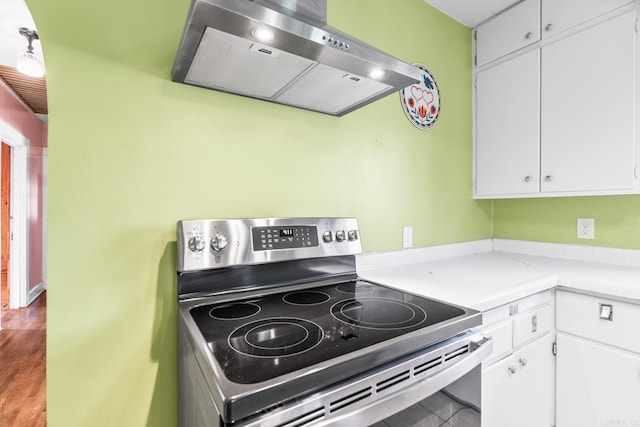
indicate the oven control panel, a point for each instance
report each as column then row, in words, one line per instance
column 207, row 244
column 284, row 237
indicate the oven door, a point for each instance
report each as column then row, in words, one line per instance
column 438, row 396
column 458, row 404
column 371, row 397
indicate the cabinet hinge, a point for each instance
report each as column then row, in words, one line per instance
column 635, row 172
column 637, row 26
column 475, row 60
column 475, row 34
column 554, row 348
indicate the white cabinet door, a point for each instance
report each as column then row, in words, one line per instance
column 559, row 15
column 587, row 109
column 534, row 386
column 518, row 390
column 596, row 385
column 507, row 127
column 497, row 398
column 509, row 31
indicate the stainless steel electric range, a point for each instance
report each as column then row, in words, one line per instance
column 275, row 328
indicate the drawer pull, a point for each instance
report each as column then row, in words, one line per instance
column 523, row 362
column 534, row 323
column 512, row 369
column 606, row 312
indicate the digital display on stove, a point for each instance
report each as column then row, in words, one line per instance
column 279, row 237
column 264, row 337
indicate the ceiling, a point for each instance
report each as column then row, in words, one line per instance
column 471, row 12
column 33, row 91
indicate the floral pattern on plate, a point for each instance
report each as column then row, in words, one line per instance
column 421, row 101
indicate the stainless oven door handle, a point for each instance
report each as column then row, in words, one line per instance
column 414, row 393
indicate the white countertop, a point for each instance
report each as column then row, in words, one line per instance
column 489, row 273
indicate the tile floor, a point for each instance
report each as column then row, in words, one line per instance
column 438, row 410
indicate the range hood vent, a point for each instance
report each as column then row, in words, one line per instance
column 305, row 64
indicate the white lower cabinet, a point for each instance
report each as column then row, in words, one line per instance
column 597, row 362
column 517, row 378
column 592, row 381
column 596, row 385
column 518, row 390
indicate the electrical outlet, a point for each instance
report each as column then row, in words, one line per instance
column 407, row 237
column 586, row 228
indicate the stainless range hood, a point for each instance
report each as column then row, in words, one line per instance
column 302, row 62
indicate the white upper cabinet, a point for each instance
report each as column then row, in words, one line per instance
column 587, row 109
column 559, row 117
column 531, row 20
column 509, row 31
column 508, row 127
column 560, row 15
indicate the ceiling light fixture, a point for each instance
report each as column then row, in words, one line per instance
column 29, row 63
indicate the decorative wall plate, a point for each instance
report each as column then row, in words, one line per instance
column 421, row 101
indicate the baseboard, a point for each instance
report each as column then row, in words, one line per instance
column 35, row 292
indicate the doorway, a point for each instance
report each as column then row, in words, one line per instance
column 16, row 236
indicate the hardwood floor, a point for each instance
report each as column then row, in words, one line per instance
column 22, row 365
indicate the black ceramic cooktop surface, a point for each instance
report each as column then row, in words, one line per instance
column 257, row 339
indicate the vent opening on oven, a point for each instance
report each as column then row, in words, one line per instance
column 427, row 365
column 342, row 403
column 456, row 353
column 390, row 382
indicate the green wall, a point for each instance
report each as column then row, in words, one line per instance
column 130, row 153
column 617, row 220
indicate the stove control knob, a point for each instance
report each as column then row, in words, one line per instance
column 352, row 235
column 196, row 244
column 327, row 236
column 340, row 235
column 218, row 243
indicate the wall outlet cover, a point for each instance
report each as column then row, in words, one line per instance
column 586, row 228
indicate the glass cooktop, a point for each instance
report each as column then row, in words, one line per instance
column 258, row 339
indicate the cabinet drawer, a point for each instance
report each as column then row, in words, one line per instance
column 519, row 306
column 527, row 326
column 501, row 335
column 580, row 315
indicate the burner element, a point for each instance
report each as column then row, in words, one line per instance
column 276, row 337
column 234, row 311
column 378, row 313
column 306, row 298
